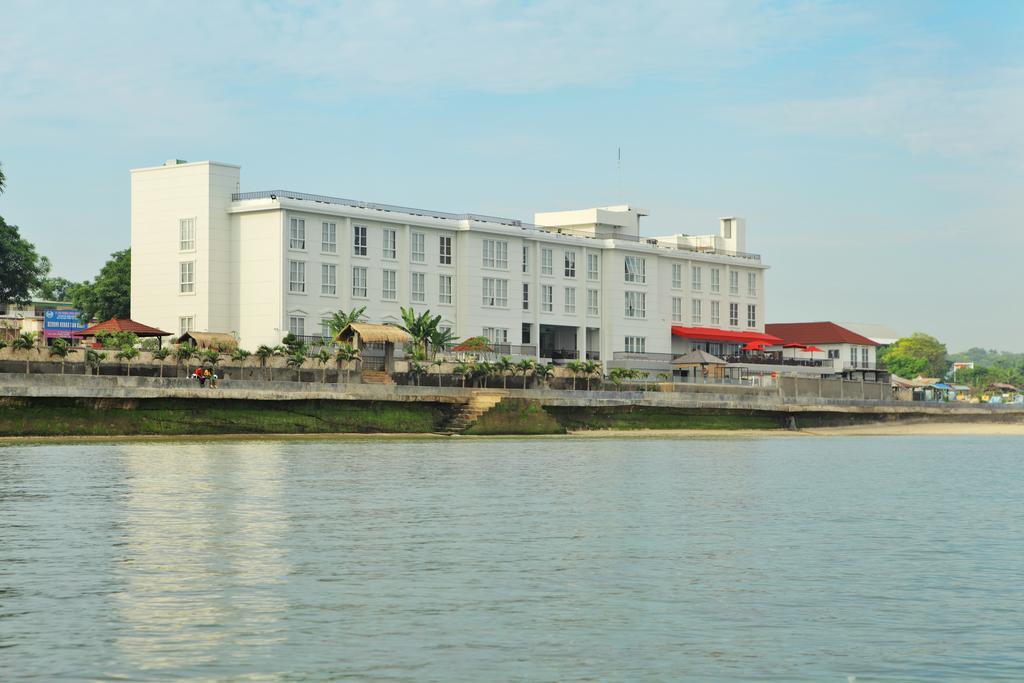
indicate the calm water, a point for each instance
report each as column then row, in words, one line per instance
column 534, row 559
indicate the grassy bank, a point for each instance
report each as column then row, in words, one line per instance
column 516, row 416
column 90, row 417
column 645, row 417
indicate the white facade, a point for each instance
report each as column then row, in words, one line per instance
column 579, row 283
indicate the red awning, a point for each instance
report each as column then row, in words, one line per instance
column 716, row 335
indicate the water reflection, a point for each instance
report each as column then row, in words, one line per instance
column 200, row 548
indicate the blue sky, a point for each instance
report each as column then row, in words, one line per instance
column 875, row 149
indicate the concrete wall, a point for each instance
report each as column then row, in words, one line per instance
column 833, row 389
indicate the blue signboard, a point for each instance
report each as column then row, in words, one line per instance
column 61, row 323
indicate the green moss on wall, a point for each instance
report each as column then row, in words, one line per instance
column 646, row 417
column 86, row 417
column 516, row 416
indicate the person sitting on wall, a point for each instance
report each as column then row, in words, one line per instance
column 208, row 376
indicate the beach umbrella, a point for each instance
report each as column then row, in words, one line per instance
column 812, row 349
column 755, row 346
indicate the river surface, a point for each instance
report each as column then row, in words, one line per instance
column 551, row 559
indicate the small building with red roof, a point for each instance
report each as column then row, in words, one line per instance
column 120, row 325
column 847, row 349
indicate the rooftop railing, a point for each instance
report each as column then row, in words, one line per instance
column 483, row 218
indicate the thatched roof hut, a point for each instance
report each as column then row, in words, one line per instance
column 370, row 333
column 210, row 340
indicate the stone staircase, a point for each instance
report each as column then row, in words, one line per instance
column 467, row 414
column 377, row 377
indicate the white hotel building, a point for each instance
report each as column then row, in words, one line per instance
column 577, row 284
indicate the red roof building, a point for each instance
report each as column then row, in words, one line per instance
column 121, row 325
column 816, row 333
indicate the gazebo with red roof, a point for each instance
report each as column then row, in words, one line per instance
column 121, row 325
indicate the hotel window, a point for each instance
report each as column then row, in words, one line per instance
column 298, row 234
column 677, row 309
column 390, row 247
column 734, row 282
column 359, row 240
column 677, row 276
column 853, row 356
column 570, row 299
column 570, row 264
column 547, row 298
column 695, row 311
column 186, row 324
column 297, row 325
column 297, row 277
column 716, row 313
column 389, row 286
column 636, row 344
column 496, row 335
column 593, row 307
column 495, row 254
column 187, row 234
column 592, row 267
column 715, row 280
column 526, row 296
column 527, row 329
column 329, row 238
column 419, row 247
column 636, row 269
column 526, row 258
column 636, row 305
column 751, row 315
column 419, row 287
column 546, row 262
column 695, row 277
column 734, row 315
column 328, row 279
column 359, row 282
column 325, row 328
column 444, row 289
column 495, row 293
column 445, row 255
column 864, row 356
column 752, row 284
column 187, row 277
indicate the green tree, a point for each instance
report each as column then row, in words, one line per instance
column 160, row 355
column 591, row 368
column 25, row 341
column 525, row 367
column 128, row 353
column 240, row 356
column 347, row 354
column 3, row 179
column 439, row 339
column 109, row 294
column 323, row 357
column 463, row 370
column 918, row 354
column 340, row 320
column 295, row 360
column 421, row 327
column 211, row 356
column 94, row 359
column 504, row 366
column 55, row 288
column 544, row 372
column 61, row 349
column 183, row 353
column 575, row 367
column 264, row 353
column 416, row 371
column 22, row 270
column 438, row 362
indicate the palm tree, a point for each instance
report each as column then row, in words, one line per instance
column 94, row 359
column 422, row 327
column 264, row 353
column 60, row 349
column 211, row 356
column 25, row 342
column 347, row 354
column 575, row 367
column 617, row 375
column 463, row 370
column 524, row 367
column 323, row 357
column 591, row 368
column 240, row 355
column 438, row 362
column 481, row 370
column 128, row 353
column 341, row 320
column 544, row 372
column 416, row 370
column 160, row 354
column 503, row 366
column 183, row 352
column 295, row 360
column 439, row 339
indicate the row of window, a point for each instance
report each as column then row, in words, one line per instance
column 360, row 242
column 697, row 313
